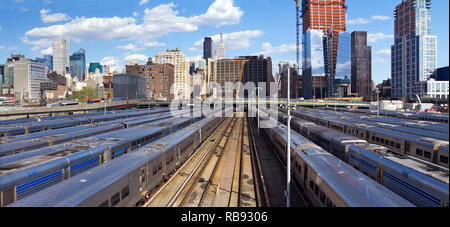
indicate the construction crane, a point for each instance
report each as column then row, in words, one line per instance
column 298, row 31
column 240, row 77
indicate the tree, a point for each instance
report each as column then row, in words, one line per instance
column 87, row 92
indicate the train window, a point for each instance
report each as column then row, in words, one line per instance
column 323, row 197
column 160, row 166
column 386, row 142
column 104, row 204
column 125, row 192
column 427, row 154
column 397, row 145
column 115, row 199
column 443, row 159
column 381, row 140
column 392, row 144
column 329, row 203
column 311, row 185
column 317, row 189
column 419, row 152
column 155, row 170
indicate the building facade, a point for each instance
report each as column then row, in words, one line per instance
column 208, row 48
column 283, row 81
column 28, row 76
column 361, row 65
column 323, row 44
column 414, row 54
column 130, row 86
column 78, row 64
column 94, row 66
column 182, row 79
column 61, row 57
column 254, row 69
column 47, row 60
column 2, row 73
column 160, row 78
column 221, row 48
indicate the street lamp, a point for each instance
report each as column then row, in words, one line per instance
column 288, row 190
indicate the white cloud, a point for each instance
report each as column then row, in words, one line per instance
column 51, row 18
column 154, row 44
column 268, row 49
column 233, row 41
column 385, row 52
column 373, row 38
column 380, row 17
column 46, row 1
column 135, row 14
column 109, row 61
column 142, row 2
column 157, row 22
column 129, row 47
column 48, row 51
column 358, row 21
column 137, row 57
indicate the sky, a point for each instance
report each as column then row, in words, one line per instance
column 113, row 32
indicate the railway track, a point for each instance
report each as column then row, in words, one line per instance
column 220, row 173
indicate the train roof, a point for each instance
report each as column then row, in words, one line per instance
column 357, row 189
column 75, row 190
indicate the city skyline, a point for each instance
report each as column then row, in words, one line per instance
column 240, row 21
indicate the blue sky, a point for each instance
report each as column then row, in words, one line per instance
column 115, row 31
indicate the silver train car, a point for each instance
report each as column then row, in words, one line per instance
column 327, row 181
column 26, row 173
column 399, row 142
column 130, row 179
column 65, row 123
column 423, row 185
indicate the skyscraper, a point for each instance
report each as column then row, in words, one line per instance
column 61, row 60
column 361, row 65
column 414, row 51
column 93, row 66
column 28, row 76
column 221, row 48
column 182, row 80
column 208, row 48
column 78, row 64
column 323, row 22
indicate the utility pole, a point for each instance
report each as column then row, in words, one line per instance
column 288, row 169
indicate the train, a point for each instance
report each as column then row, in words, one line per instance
column 427, row 149
column 33, row 127
column 326, row 180
column 22, row 143
column 26, row 173
column 423, row 116
column 417, row 182
column 130, row 179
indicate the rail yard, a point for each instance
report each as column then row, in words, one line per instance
column 162, row 158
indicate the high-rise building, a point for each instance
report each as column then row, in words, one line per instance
column 255, row 69
column 2, row 74
column 28, row 76
column 323, row 44
column 361, row 65
column 208, row 48
column 78, row 64
column 221, row 48
column 283, row 80
column 47, row 60
column 191, row 67
column 94, row 66
column 8, row 78
column 61, row 58
column 414, row 54
column 160, row 78
column 182, row 80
